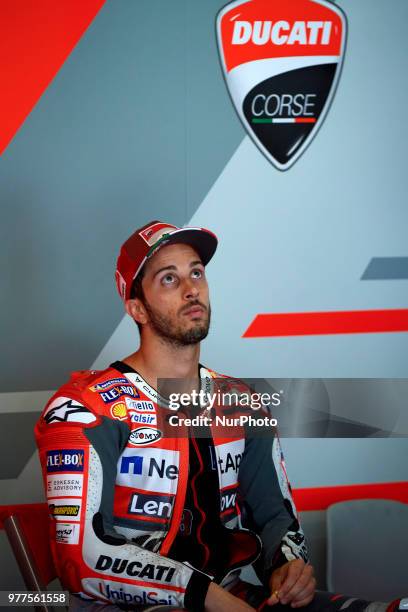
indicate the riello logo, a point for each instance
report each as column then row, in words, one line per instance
column 282, row 61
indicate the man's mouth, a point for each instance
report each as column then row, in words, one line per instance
column 194, row 311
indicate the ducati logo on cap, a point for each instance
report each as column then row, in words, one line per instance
column 281, row 60
column 152, row 233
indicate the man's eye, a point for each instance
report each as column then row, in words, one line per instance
column 168, row 279
column 197, row 273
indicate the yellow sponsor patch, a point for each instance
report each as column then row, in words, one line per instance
column 119, row 411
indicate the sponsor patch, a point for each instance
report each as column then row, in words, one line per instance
column 119, row 592
column 155, row 231
column 228, row 499
column 150, row 505
column 119, row 411
column 228, row 457
column 152, row 469
column 135, row 569
column 117, row 392
column 144, row 419
column 67, row 533
column 108, row 384
column 62, row 485
column 66, row 460
column 121, row 283
column 144, row 435
column 65, row 409
column 147, row 390
column 141, row 406
column 293, row 545
column 63, row 509
column 281, row 62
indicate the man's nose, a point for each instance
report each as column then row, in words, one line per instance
column 190, row 289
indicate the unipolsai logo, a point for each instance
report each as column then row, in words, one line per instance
column 282, row 61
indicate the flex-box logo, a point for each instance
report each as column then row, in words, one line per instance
column 281, row 60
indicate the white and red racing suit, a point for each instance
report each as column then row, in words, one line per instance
column 116, row 479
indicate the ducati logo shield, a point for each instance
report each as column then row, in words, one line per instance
column 281, row 61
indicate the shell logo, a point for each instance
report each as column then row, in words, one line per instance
column 119, row 411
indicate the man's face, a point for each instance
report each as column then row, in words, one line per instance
column 176, row 295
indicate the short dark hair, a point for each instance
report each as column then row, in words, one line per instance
column 136, row 291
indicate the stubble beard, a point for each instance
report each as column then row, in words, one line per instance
column 175, row 335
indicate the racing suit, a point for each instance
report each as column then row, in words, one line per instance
column 116, row 481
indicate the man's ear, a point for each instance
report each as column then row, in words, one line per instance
column 135, row 309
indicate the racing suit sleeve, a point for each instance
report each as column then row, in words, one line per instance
column 79, row 452
column 269, row 505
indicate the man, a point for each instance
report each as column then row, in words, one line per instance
column 143, row 516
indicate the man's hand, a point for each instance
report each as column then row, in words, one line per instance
column 293, row 584
column 219, row 600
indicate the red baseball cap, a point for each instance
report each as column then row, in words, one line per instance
column 145, row 241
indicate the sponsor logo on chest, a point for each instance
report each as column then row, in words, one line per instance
column 142, row 436
column 118, row 391
column 228, row 499
column 145, row 419
column 119, row 411
column 139, row 405
column 108, row 384
column 227, row 459
column 150, row 505
column 153, row 470
column 118, row 592
column 143, row 571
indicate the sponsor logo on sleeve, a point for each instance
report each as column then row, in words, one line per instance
column 65, row 460
column 67, row 533
column 118, row 592
column 64, row 409
column 63, row 509
column 144, row 435
column 281, row 62
column 62, row 485
column 119, row 411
